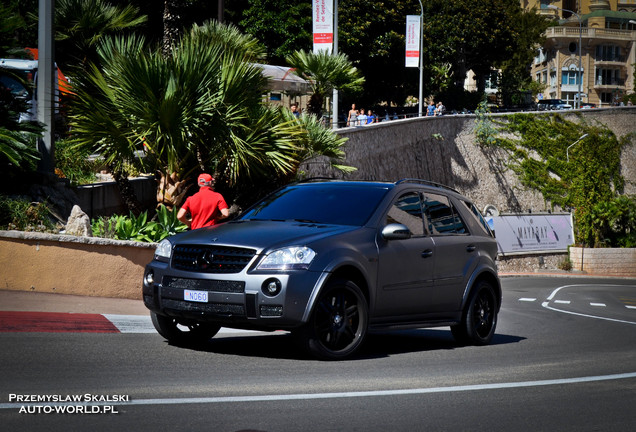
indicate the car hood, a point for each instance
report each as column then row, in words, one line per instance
column 262, row 235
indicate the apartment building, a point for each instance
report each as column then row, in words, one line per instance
column 592, row 49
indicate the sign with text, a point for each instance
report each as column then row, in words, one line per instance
column 322, row 17
column 532, row 232
column 412, row 41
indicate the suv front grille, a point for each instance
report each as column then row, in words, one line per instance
column 211, row 259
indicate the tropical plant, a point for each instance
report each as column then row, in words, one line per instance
column 614, row 222
column 82, row 24
column 18, row 213
column 139, row 228
column 324, row 72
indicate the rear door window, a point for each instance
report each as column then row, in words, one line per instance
column 442, row 217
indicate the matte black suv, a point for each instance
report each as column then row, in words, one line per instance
column 329, row 261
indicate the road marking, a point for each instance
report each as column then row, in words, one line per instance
column 525, row 299
column 562, row 301
column 598, row 304
column 54, row 322
column 354, row 394
column 630, row 307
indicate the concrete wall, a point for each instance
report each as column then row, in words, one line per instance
column 444, row 150
column 72, row 265
column 609, row 262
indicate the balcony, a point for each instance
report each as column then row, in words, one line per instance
column 614, row 83
column 590, row 33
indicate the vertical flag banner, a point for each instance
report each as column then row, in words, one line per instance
column 322, row 17
column 412, row 41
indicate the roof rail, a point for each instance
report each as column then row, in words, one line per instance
column 426, row 182
column 312, row 179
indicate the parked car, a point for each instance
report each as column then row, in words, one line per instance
column 552, row 104
column 329, row 261
column 587, row 105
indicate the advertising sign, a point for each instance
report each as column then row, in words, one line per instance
column 532, row 232
column 412, row 41
column 322, row 17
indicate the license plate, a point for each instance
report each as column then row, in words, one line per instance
column 195, row 296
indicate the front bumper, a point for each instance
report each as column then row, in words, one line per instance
column 236, row 300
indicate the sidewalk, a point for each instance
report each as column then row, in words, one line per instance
column 45, row 302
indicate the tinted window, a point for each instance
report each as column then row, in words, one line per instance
column 327, row 203
column 478, row 217
column 442, row 218
column 407, row 210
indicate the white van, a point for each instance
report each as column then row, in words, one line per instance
column 28, row 70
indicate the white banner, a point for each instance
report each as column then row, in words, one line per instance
column 532, row 232
column 412, row 41
column 322, row 17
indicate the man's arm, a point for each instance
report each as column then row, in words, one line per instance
column 182, row 216
column 224, row 213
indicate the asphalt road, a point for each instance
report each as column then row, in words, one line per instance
column 563, row 359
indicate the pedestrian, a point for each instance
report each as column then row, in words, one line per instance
column 205, row 208
column 362, row 118
column 371, row 118
column 440, row 109
column 430, row 111
column 294, row 110
column 352, row 118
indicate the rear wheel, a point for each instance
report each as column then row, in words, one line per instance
column 479, row 318
column 338, row 324
column 179, row 333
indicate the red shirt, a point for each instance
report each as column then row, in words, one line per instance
column 204, row 207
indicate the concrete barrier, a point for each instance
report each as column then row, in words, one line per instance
column 605, row 261
column 63, row 264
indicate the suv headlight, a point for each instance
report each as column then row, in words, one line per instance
column 164, row 249
column 290, row 258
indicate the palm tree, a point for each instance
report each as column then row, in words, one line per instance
column 80, row 25
column 324, row 73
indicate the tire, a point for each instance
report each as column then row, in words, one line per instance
column 338, row 324
column 479, row 318
column 178, row 333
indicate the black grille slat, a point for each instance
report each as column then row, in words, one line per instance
column 211, row 259
column 209, row 308
column 204, row 285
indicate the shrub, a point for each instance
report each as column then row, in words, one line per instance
column 138, row 228
column 24, row 215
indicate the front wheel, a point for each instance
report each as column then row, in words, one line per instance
column 178, row 333
column 338, row 324
column 479, row 318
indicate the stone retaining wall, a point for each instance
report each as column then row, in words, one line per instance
column 605, row 261
column 62, row 264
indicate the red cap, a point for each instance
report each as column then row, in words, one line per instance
column 205, row 180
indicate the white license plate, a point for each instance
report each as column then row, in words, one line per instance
column 195, row 296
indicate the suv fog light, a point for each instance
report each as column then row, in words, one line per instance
column 271, row 287
column 149, row 279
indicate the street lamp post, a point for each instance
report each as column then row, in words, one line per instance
column 580, row 77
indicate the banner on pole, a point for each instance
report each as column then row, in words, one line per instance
column 412, row 41
column 322, row 17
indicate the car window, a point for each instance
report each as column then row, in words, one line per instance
column 442, row 218
column 474, row 212
column 13, row 85
column 325, row 203
column 407, row 210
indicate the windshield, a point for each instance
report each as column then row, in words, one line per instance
column 325, row 203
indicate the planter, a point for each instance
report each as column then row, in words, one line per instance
column 604, row 261
column 64, row 264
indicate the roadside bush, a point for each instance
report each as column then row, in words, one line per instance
column 75, row 164
column 138, row 228
column 614, row 222
column 23, row 215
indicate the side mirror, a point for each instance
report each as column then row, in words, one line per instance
column 396, row 231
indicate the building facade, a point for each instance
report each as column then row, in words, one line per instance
column 593, row 48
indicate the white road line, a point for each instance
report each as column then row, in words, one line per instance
column 562, row 301
column 525, row 299
column 630, row 307
column 598, row 304
column 355, row 394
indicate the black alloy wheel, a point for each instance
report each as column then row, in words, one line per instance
column 338, row 324
column 479, row 319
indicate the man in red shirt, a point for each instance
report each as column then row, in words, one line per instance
column 206, row 207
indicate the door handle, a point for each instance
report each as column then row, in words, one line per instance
column 427, row 253
column 471, row 248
